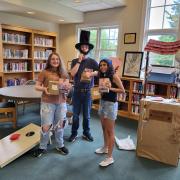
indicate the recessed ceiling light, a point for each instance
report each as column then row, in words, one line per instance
column 30, row 12
column 77, row 1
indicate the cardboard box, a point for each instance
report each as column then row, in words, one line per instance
column 53, row 87
column 158, row 135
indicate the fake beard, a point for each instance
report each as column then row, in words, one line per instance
column 85, row 53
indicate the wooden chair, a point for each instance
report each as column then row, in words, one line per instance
column 8, row 113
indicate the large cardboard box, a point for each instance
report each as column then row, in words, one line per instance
column 158, row 135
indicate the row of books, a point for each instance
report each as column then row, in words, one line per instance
column 138, row 87
column 15, row 67
column 15, row 53
column 16, row 81
column 136, row 98
column 135, row 109
column 42, row 54
column 39, row 41
column 123, row 96
column 14, row 38
column 150, row 90
column 39, row 66
column 173, row 92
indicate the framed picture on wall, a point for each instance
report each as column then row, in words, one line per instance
column 129, row 38
column 132, row 64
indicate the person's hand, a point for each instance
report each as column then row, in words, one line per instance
column 108, row 85
column 88, row 75
column 81, row 57
column 46, row 91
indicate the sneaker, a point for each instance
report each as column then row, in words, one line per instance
column 106, row 162
column 39, row 152
column 88, row 137
column 101, row 150
column 63, row 150
column 72, row 138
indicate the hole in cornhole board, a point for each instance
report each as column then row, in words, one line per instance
column 30, row 133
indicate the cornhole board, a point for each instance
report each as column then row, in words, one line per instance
column 10, row 150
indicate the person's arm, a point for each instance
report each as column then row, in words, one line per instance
column 95, row 69
column 119, row 84
column 94, row 73
column 75, row 68
column 39, row 85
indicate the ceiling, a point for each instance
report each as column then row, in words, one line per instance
column 90, row 5
column 58, row 11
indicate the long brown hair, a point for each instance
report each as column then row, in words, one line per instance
column 60, row 70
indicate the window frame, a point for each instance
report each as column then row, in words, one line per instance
column 98, row 49
column 152, row 32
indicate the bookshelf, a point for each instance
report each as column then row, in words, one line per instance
column 24, row 53
column 135, row 90
column 129, row 104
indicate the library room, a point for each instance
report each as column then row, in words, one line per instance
column 90, row 88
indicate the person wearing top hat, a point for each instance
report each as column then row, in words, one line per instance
column 83, row 70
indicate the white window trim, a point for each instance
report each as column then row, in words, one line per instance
column 100, row 25
column 145, row 24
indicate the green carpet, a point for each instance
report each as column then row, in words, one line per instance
column 82, row 162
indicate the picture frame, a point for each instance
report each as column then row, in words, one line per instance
column 69, row 65
column 132, row 64
column 129, row 38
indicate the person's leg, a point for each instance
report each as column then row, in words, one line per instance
column 58, row 124
column 76, row 112
column 104, row 148
column 47, row 115
column 109, row 122
column 109, row 128
column 86, row 116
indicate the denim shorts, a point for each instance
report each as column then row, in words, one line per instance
column 108, row 109
column 52, row 113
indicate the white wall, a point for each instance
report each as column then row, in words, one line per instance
column 128, row 18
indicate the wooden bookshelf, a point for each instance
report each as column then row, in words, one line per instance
column 24, row 53
column 129, row 105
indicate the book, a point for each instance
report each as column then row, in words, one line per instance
column 53, row 87
column 64, row 86
column 104, row 84
column 86, row 75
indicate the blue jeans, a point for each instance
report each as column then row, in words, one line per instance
column 53, row 114
column 81, row 100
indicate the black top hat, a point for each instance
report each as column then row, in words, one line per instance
column 84, row 40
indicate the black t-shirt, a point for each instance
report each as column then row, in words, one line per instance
column 86, row 63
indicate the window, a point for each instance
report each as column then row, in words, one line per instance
column 105, row 41
column 162, row 23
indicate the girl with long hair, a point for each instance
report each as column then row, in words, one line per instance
column 108, row 108
column 53, row 107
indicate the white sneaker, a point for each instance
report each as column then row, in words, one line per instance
column 106, row 162
column 101, row 150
